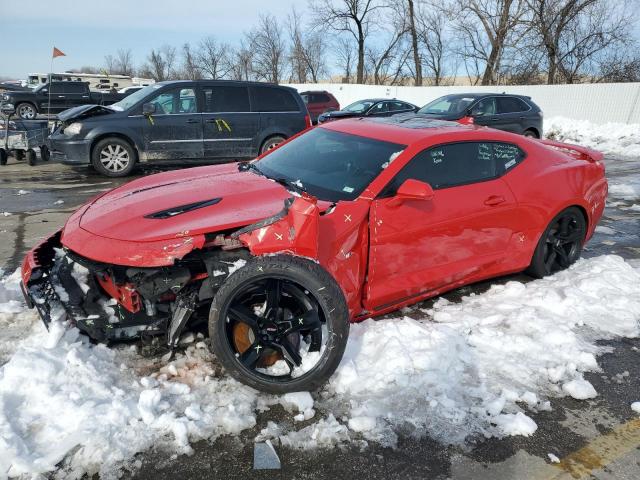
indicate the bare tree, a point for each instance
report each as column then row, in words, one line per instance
column 431, row 28
column 345, row 56
column 120, row 64
column 388, row 61
column 267, row 43
column 241, row 64
column 573, row 32
column 307, row 51
column 413, row 32
column 353, row 17
column 488, row 28
column 214, row 58
column 190, row 65
column 161, row 63
column 620, row 67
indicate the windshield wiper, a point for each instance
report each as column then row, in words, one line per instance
column 244, row 166
column 286, row 183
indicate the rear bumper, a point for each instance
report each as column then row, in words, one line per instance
column 64, row 150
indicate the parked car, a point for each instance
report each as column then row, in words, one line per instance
column 378, row 107
column 319, row 102
column 512, row 113
column 56, row 97
column 180, row 122
column 348, row 220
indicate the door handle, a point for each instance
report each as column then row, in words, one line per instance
column 61, row 96
column 494, row 200
column 193, row 120
column 211, row 120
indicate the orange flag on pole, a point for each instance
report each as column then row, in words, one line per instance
column 57, row 53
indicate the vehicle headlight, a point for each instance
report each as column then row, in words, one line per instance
column 73, row 129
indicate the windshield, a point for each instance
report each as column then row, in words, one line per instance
column 359, row 107
column 329, row 165
column 448, row 104
column 130, row 100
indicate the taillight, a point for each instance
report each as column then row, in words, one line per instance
column 307, row 120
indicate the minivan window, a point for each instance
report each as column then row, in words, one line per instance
column 226, row 99
column 130, row 100
column 273, row 99
column 177, row 100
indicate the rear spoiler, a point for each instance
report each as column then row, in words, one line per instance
column 582, row 153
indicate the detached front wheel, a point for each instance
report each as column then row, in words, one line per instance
column 279, row 324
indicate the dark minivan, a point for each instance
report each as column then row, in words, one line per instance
column 502, row 111
column 180, row 121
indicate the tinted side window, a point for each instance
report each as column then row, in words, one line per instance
column 56, row 88
column 511, row 105
column 273, row 99
column 398, row 106
column 485, row 106
column 75, row 88
column 322, row 98
column 448, row 166
column 226, row 99
column 507, row 156
column 381, row 107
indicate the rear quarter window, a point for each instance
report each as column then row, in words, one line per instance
column 273, row 99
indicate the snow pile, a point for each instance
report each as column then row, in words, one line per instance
column 458, row 371
column 610, row 138
column 94, row 407
column 473, row 369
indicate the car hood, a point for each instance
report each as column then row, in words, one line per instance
column 340, row 114
column 185, row 202
column 83, row 111
column 440, row 116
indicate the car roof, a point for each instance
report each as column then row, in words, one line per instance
column 409, row 129
column 315, row 91
column 477, row 95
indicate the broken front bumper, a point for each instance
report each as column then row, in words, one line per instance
column 51, row 285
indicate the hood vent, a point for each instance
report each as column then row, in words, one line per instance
column 173, row 211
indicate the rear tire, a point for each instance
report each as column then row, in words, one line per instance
column 3, row 156
column 531, row 134
column 113, row 157
column 298, row 283
column 560, row 244
column 271, row 143
column 31, row 157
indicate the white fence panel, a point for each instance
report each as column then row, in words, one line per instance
column 599, row 103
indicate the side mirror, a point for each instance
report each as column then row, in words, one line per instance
column 148, row 109
column 44, row 91
column 412, row 190
column 8, row 109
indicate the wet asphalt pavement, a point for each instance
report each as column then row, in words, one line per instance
column 39, row 199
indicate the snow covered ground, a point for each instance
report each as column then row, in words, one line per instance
column 455, row 372
column 617, row 139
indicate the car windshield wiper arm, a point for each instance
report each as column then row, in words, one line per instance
column 285, row 182
column 244, row 166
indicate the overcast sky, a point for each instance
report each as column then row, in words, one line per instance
column 88, row 30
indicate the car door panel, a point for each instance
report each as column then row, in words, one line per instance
column 174, row 132
column 230, row 127
column 424, row 245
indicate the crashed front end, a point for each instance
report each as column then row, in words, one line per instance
column 117, row 289
column 117, row 302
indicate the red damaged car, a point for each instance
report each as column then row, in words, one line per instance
column 346, row 221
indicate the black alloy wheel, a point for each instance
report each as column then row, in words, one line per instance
column 561, row 243
column 279, row 324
